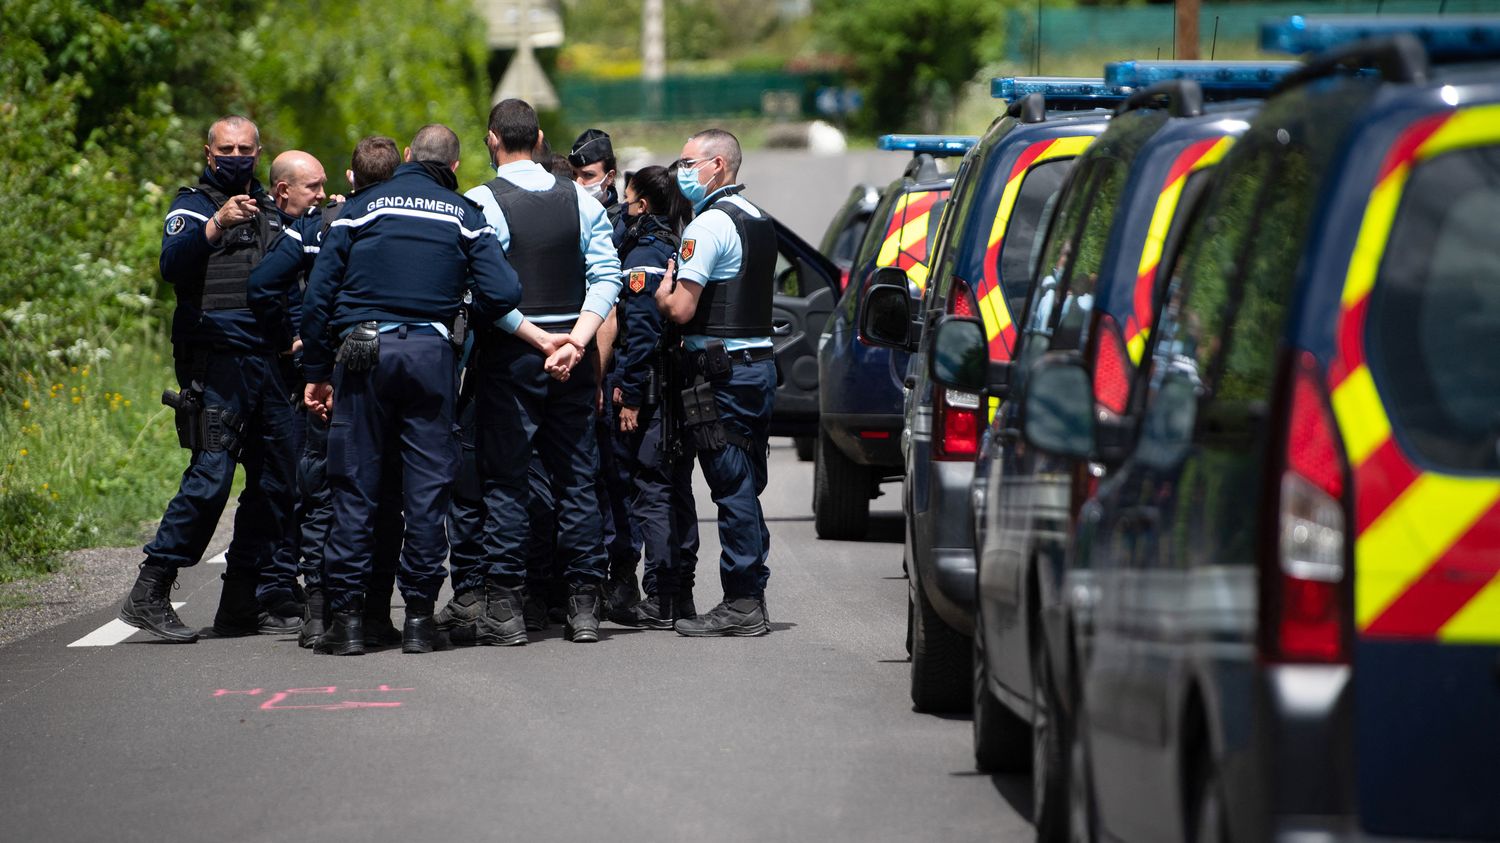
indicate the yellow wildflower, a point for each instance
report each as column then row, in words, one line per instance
column 24, row 452
column 77, row 399
column 26, row 405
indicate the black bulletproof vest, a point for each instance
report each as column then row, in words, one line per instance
column 227, row 276
column 544, row 234
column 741, row 306
column 331, row 211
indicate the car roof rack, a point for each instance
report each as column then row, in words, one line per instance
column 1031, row 97
column 1216, row 79
column 1396, row 58
column 1447, row 39
column 1181, row 98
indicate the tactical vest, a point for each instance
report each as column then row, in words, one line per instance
column 227, row 276
column 740, row 307
column 544, row 235
column 331, row 211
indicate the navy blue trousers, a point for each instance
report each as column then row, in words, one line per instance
column 314, row 512
column 736, row 477
column 250, row 386
column 622, row 536
column 661, row 506
column 401, row 410
column 521, row 407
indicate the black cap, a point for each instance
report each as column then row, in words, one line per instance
column 593, row 145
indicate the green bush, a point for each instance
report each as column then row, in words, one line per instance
column 103, row 109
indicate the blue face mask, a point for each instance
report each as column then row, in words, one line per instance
column 234, row 170
column 687, row 182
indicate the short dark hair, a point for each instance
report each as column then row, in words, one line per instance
column 375, row 159
column 435, row 142
column 514, row 122
column 560, row 167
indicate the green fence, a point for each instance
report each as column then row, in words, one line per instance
column 1140, row 31
column 589, row 100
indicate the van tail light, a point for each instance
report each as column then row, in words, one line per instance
column 1111, row 367
column 955, row 414
column 1304, row 612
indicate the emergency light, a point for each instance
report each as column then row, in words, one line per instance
column 1211, row 76
column 1453, row 38
column 931, row 144
column 1073, row 90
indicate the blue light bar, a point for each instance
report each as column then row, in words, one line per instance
column 1212, row 76
column 1073, row 89
column 939, row 145
column 1448, row 38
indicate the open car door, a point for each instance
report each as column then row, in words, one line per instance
column 807, row 286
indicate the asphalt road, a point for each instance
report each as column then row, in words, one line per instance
column 805, row 734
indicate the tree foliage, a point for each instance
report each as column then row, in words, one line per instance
column 911, row 56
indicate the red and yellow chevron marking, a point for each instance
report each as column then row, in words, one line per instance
column 1199, row 155
column 905, row 244
column 998, row 322
column 1427, row 547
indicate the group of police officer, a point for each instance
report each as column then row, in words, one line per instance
column 512, row 381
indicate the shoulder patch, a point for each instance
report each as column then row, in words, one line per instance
column 176, row 224
column 688, row 247
column 637, row 281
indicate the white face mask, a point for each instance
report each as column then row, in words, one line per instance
column 597, row 189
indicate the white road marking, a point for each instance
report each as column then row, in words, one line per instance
column 111, row 633
column 216, row 560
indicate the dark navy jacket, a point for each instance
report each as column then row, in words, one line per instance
column 642, row 265
column 275, row 292
column 184, row 259
column 403, row 251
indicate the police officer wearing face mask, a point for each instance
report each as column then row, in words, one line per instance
column 232, row 409
column 593, row 161
column 558, row 239
column 721, row 295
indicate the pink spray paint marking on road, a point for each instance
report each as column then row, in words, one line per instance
column 277, row 700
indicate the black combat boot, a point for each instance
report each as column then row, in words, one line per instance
column 534, row 610
column 284, row 618
column 502, row 623
column 379, row 631
column 460, row 618
column 345, row 635
column 621, row 592
column 239, row 612
column 420, row 633
column 312, row 619
column 741, row 616
column 653, row 612
column 148, row 606
column 583, row 613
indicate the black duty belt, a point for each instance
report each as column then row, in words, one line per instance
column 697, row 360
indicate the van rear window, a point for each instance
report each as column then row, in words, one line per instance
column 1434, row 323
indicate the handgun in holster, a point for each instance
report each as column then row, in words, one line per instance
column 203, row 428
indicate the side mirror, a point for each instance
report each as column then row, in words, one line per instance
column 1167, row 429
column 885, row 320
column 959, row 354
column 1058, row 412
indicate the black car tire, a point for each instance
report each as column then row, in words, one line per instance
column 941, row 661
column 1049, row 752
column 1208, row 823
column 841, row 493
column 804, row 448
column 1002, row 741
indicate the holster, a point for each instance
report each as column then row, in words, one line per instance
column 201, row 428
column 360, row 350
column 700, row 417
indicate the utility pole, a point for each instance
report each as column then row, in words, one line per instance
column 1187, row 28
column 653, row 53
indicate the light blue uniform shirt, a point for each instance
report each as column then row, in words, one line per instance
column 714, row 257
column 595, row 240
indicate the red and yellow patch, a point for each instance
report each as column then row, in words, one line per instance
column 637, row 282
column 688, row 247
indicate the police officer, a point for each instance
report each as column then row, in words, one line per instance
column 558, row 239
column 724, row 284
column 232, row 409
column 648, row 442
column 276, row 288
column 593, row 162
column 389, row 280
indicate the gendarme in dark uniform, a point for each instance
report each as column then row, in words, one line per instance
column 725, row 282
column 232, row 409
column 396, row 265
